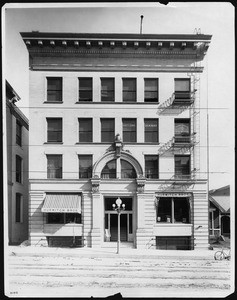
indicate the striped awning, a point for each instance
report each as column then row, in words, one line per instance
column 62, row 203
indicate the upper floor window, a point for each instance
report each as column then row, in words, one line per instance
column 19, row 208
column 54, row 166
column 173, row 210
column 85, row 130
column 109, row 171
column 54, row 89
column 127, row 170
column 85, row 89
column 182, row 130
column 85, row 166
column 151, row 166
column 182, row 166
column 107, row 130
column 18, row 169
column 151, row 130
column 129, row 130
column 54, row 132
column 182, row 88
column 18, row 133
column 129, row 90
column 107, row 89
column 151, row 89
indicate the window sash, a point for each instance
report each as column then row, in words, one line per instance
column 85, row 89
column 182, row 165
column 107, row 130
column 127, row 170
column 182, row 85
column 151, row 90
column 151, row 131
column 109, row 171
column 85, row 130
column 54, row 130
column 18, row 169
column 54, row 89
column 129, row 90
column 85, row 166
column 151, row 166
column 173, row 210
column 129, row 130
column 54, row 167
column 107, row 89
column 18, row 133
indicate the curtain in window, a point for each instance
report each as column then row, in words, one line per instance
column 107, row 89
column 182, row 85
column 54, row 166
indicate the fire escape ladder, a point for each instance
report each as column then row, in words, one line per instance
column 167, row 104
column 195, row 121
column 166, row 147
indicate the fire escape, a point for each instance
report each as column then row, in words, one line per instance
column 181, row 144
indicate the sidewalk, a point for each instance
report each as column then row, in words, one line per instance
column 107, row 252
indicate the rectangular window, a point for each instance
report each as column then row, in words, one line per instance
column 85, row 89
column 54, row 89
column 129, row 90
column 182, row 166
column 18, row 169
column 129, row 130
column 151, row 89
column 173, row 210
column 152, row 166
column 107, row 89
column 173, row 243
column 85, row 130
column 18, row 211
column 54, row 168
column 182, row 130
column 107, row 130
column 85, row 166
column 18, row 133
column 63, row 218
column 54, row 130
column 151, row 130
column 182, row 88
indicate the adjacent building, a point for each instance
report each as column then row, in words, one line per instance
column 117, row 116
column 219, row 212
column 17, row 135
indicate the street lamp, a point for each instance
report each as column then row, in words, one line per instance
column 118, row 208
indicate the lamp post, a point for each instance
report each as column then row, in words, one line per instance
column 118, row 208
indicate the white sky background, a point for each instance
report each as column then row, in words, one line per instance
column 215, row 18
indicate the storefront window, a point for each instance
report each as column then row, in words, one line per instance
column 63, row 218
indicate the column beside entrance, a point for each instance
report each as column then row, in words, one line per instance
column 96, row 210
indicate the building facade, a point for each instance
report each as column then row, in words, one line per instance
column 117, row 116
column 17, row 134
column 219, row 212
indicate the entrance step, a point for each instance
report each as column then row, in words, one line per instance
column 128, row 245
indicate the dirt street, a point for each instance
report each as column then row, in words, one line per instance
column 62, row 276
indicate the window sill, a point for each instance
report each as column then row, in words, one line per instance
column 53, row 102
column 52, row 143
column 115, row 102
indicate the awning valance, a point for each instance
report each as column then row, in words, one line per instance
column 62, row 203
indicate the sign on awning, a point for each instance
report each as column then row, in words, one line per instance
column 62, row 203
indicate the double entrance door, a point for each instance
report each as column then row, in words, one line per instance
column 111, row 221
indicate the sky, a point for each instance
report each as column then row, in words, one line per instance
column 214, row 18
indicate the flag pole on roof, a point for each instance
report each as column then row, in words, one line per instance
column 141, row 24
